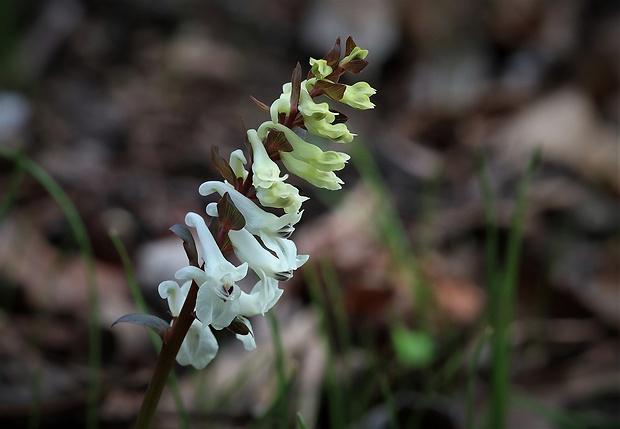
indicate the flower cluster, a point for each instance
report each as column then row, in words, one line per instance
column 239, row 222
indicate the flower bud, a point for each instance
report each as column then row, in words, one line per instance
column 358, row 96
column 320, row 68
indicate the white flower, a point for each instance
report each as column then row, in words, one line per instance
column 358, row 96
column 282, row 104
column 249, row 250
column 319, row 178
column 220, row 301
column 318, row 119
column 307, row 160
column 256, row 219
column 237, row 162
column 285, row 250
column 281, row 195
column 307, row 152
column 271, row 190
column 217, row 302
column 264, row 295
column 269, row 227
column 211, row 307
column 266, row 172
column 199, row 346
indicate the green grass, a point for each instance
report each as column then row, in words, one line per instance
column 277, row 415
column 502, row 293
column 334, row 390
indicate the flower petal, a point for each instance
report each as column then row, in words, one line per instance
column 199, row 346
column 281, row 195
column 265, row 294
column 320, row 68
column 358, row 96
column 211, row 309
column 216, row 266
column 283, row 104
column 237, row 162
column 175, row 295
column 266, row 172
column 285, row 249
column 249, row 250
column 249, row 343
column 319, row 178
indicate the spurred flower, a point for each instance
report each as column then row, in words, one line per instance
column 217, row 303
column 237, row 163
column 257, row 220
column 249, row 250
column 319, row 120
column 266, row 172
column 262, row 298
column 308, row 161
column 358, row 96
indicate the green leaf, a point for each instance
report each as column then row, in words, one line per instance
column 158, row 325
column 412, row 348
column 189, row 244
column 300, row 421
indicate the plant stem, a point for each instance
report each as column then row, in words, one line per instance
column 143, row 308
column 170, row 347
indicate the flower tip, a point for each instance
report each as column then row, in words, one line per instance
column 166, row 288
column 192, row 219
column 208, row 188
column 211, row 209
column 302, row 259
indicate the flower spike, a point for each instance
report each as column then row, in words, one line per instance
column 253, row 187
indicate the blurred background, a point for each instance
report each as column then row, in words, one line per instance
column 120, row 102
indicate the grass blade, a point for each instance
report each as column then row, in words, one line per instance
column 504, row 308
column 469, row 417
column 79, row 231
column 334, row 390
column 280, row 370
